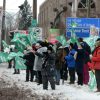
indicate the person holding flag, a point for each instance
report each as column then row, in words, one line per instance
column 29, row 57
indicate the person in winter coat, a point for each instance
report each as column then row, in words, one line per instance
column 95, row 63
column 48, row 69
column 87, row 51
column 79, row 56
column 39, row 61
column 71, row 63
column 61, row 68
column 29, row 57
column 58, row 66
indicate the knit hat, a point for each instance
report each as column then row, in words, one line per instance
column 37, row 44
column 71, row 44
column 97, row 42
column 98, row 39
column 50, row 48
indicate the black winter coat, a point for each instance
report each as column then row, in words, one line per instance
column 48, row 67
column 80, row 60
column 29, row 57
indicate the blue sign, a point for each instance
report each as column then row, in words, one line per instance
column 83, row 26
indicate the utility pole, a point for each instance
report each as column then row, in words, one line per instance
column 3, row 24
column 34, row 9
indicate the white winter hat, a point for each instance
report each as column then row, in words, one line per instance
column 37, row 44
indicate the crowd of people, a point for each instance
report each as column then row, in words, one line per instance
column 44, row 64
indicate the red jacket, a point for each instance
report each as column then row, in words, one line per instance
column 95, row 62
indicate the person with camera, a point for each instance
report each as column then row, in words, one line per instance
column 48, row 69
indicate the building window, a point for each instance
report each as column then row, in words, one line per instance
column 83, row 4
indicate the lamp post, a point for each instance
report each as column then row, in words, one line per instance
column 3, row 24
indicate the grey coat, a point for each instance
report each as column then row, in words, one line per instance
column 39, row 59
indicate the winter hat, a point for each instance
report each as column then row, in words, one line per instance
column 97, row 42
column 33, row 46
column 37, row 44
column 72, row 45
column 29, row 48
column 80, row 39
column 98, row 39
column 50, row 48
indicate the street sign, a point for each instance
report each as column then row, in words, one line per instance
column 38, row 32
column 83, row 27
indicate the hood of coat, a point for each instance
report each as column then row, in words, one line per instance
column 97, row 43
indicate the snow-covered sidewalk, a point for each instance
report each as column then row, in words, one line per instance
column 62, row 92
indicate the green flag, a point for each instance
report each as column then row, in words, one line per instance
column 91, row 41
column 92, row 80
column 20, row 54
column 19, row 45
column 25, row 40
column 18, row 35
column 32, row 37
column 19, row 63
column 3, row 57
column 21, row 37
column 11, row 55
column 62, row 40
column 73, row 38
column 5, row 45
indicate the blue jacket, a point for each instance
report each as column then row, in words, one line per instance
column 70, row 59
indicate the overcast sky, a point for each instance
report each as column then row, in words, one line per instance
column 12, row 5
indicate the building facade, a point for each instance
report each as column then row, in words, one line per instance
column 75, row 8
column 1, row 13
column 47, row 14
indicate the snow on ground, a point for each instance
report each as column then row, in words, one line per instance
column 62, row 92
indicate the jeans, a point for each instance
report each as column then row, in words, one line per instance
column 57, row 76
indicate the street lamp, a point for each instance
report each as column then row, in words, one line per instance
column 57, row 18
